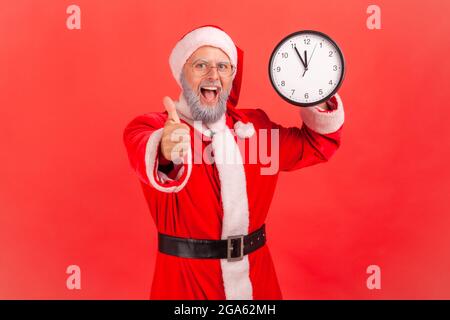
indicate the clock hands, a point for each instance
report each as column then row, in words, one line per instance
column 295, row 56
column 305, row 62
column 306, row 59
column 306, row 67
column 301, row 59
column 311, row 55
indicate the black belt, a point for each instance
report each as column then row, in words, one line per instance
column 233, row 248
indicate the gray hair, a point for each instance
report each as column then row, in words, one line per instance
column 199, row 111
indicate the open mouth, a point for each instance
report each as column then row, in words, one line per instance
column 210, row 94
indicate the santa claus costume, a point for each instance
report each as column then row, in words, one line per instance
column 215, row 201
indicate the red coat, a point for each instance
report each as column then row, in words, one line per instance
column 201, row 201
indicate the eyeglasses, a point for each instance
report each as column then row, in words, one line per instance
column 202, row 67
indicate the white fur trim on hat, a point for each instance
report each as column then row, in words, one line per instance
column 205, row 36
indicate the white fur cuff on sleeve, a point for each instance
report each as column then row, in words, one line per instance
column 158, row 179
column 324, row 122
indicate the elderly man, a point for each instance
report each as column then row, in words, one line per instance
column 210, row 215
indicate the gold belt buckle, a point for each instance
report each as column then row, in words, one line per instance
column 230, row 248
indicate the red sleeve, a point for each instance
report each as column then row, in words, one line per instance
column 303, row 147
column 316, row 141
column 142, row 138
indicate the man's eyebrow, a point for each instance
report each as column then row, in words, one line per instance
column 206, row 60
column 200, row 59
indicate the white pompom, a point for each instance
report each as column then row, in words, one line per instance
column 244, row 130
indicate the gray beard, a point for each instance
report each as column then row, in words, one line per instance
column 200, row 112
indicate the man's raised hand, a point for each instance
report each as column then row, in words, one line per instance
column 176, row 139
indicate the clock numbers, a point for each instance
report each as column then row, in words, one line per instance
column 306, row 68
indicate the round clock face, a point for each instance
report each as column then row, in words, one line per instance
column 306, row 68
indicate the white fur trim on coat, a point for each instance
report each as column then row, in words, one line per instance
column 324, row 122
column 151, row 165
column 205, row 36
column 233, row 188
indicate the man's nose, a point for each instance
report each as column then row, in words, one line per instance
column 213, row 73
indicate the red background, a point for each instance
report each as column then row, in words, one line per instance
column 68, row 195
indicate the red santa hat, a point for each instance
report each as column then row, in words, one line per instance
column 214, row 36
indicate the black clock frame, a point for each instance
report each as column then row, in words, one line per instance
column 309, row 104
